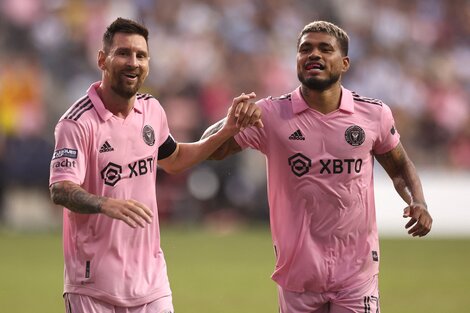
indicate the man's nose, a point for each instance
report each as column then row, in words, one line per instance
column 314, row 54
column 132, row 60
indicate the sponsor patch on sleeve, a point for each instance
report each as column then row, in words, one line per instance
column 65, row 153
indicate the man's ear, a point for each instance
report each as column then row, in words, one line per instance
column 345, row 64
column 101, row 59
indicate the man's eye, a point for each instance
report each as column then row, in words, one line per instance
column 327, row 49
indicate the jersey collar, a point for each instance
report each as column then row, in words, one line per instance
column 104, row 113
column 299, row 105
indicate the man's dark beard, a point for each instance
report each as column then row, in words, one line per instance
column 316, row 84
column 124, row 92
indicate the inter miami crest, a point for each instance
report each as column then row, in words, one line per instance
column 149, row 135
column 354, row 135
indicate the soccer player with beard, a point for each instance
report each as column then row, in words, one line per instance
column 103, row 172
column 320, row 142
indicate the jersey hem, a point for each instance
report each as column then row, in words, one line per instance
column 359, row 281
column 102, row 296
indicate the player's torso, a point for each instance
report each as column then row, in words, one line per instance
column 335, row 148
column 122, row 154
column 321, row 195
column 320, row 170
column 120, row 163
column 124, row 149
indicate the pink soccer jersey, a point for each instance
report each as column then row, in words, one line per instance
column 320, row 188
column 113, row 157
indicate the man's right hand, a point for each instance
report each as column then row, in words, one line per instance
column 77, row 199
column 247, row 112
column 131, row 212
column 243, row 113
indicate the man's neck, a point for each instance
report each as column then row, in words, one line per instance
column 325, row 101
column 119, row 106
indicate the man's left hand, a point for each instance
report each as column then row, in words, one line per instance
column 421, row 221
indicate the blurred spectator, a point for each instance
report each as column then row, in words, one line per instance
column 21, row 103
column 410, row 53
column 2, row 178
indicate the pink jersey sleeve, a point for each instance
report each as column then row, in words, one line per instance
column 389, row 136
column 68, row 161
column 164, row 129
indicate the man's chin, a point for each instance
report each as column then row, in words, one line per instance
column 317, row 84
column 126, row 92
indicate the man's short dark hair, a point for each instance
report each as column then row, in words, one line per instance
column 330, row 29
column 122, row 25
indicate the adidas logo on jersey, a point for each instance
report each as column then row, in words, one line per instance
column 106, row 147
column 297, row 135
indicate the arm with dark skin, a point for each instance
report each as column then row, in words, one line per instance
column 228, row 148
column 240, row 115
column 78, row 200
column 405, row 178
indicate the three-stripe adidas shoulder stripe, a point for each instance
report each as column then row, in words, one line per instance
column 144, row 96
column 85, row 104
column 80, row 107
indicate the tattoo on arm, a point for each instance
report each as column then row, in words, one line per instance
column 403, row 174
column 75, row 198
column 213, row 129
column 389, row 164
column 227, row 148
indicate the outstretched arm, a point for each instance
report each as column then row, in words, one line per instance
column 408, row 185
column 240, row 115
column 77, row 199
column 229, row 147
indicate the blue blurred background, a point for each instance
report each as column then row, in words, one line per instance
column 412, row 54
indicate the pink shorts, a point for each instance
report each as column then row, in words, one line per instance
column 75, row 303
column 363, row 299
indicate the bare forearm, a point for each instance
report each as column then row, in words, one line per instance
column 190, row 154
column 217, row 141
column 408, row 185
column 402, row 189
column 213, row 129
column 403, row 174
column 75, row 198
column 229, row 147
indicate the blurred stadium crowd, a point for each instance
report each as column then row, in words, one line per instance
column 412, row 54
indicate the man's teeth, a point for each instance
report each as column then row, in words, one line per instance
column 316, row 67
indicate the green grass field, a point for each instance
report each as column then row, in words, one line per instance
column 213, row 273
